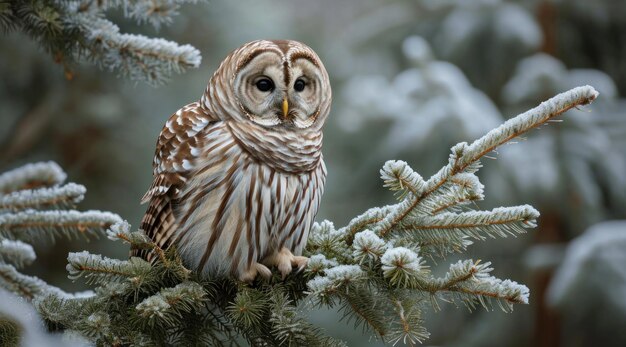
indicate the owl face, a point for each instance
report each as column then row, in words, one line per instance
column 281, row 84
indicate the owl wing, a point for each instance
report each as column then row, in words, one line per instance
column 177, row 147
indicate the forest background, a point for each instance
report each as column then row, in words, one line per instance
column 410, row 79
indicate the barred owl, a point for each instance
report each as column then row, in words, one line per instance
column 238, row 175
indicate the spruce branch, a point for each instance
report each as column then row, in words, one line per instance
column 78, row 30
column 135, row 56
column 62, row 197
column 398, row 176
column 32, row 176
column 98, row 269
column 523, row 123
column 402, row 267
column 288, row 329
column 166, row 309
column 463, row 189
column 429, row 219
column 16, row 252
column 365, row 220
column 464, row 157
column 31, row 224
column 368, row 247
column 471, row 283
column 409, row 327
column 248, row 309
column 428, row 231
column 25, row 286
column 155, row 12
column 136, row 239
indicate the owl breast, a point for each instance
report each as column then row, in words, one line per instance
column 237, row 208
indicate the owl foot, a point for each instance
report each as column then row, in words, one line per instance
column 285, row 261
column 256, row 269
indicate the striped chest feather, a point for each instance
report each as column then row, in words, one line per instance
column 235, row 211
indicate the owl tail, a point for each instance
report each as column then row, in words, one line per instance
column 158, row 224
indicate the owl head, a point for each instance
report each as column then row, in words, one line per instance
column 277, row 84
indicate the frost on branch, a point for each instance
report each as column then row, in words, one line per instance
column 16, row 252
column 432, row 219
column 29, row 176
column 79, row 30
column 66, row 196
column 32, row 206
column 375, row 270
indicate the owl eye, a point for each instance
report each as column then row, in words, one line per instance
column 265, row 84
column 299, row 85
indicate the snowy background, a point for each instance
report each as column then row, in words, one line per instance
column 410, row 79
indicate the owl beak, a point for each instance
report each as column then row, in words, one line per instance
column 285, row 107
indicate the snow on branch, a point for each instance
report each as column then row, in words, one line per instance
column 28, row 194
column 79, row 30
column 165, row 308
column 135, row 56
column 465, row 158
column 524, row 122
column 98, row 269
column 499, row 222
column 31, row 224
column 66, row 196
column 30, row 176
column 470, row 282
column 136, row 239
column 16, row 252
column 155, row 12
column 25, row 286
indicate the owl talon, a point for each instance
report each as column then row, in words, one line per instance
column 256, row 269
column 300, row 262
column 284, row 267
column 263, row 271
column 285, row 261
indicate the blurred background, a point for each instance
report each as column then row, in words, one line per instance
column 410, row 79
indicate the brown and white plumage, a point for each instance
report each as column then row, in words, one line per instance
column 238, row 176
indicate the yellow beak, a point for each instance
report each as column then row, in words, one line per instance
column 285, row 107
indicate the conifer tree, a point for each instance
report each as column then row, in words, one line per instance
column 375, row 270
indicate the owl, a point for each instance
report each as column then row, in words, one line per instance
column 238, row 175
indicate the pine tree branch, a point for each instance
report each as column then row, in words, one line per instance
column 29, row 225
column 135, row 56
column 63, row 197
column 32, row 176
column 464, row 156
column 473, row 281
column 525, row 122
column 79, row 30
column 166, row 309
column 464, row 188
column 368, row 218
column 16, row 252
column 411, row 330
column 98, row 269
column 500, row 222
column 155, row 12
column 136, row 240
column 25, row 286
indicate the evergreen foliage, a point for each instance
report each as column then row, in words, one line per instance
column 374, row 270
column 79, row 30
